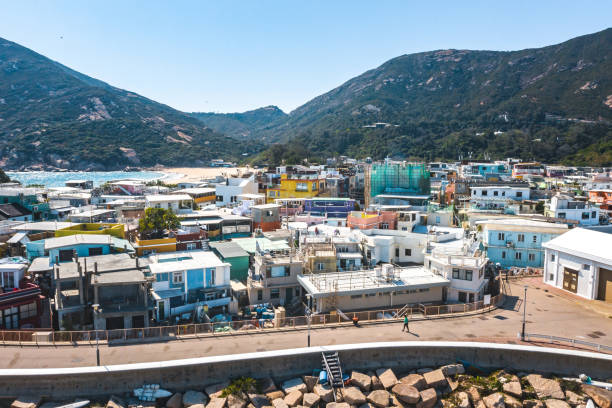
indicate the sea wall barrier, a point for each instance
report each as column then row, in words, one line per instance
column 197, row 373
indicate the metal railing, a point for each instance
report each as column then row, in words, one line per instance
column 48, row 337
column 573, row 342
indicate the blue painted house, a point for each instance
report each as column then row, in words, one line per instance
column 187, row 280
column 63, row 249
column 518, row 242
column 332, row 207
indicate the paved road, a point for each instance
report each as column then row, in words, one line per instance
column 548, row 312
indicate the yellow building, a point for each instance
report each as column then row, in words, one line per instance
column 151, row 246
column 296, row 186
column 116, row 230
column 199, row 194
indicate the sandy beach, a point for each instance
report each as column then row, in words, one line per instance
column 182, row 174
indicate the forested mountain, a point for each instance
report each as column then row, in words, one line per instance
column 248, row 125
column 52, row 115
column 552, row 103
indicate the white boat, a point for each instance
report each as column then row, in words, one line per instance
column 75, row 404
column 600, row 384
column 151, row 392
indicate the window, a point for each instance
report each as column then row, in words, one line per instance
column 552, row 257
column 407, row 252
column 501, row 236
column 274, row 293
column 95, row 251
column 503, row 193
column 503, row 254
column 424, row 290
column 219, row 198
column 260, row 294
column 496, row 193
column 320, row 266
column 585, row 215
column 586, row 267
column 191, row 246
column 397, row 252
column 28, row 310
column 301, row 187
column 521, row 237
column 531, row 257
column 65, row 255
column 314, row 186
column 535, row 239
column 518, row 256
column 468, row 275
column 356, row 296
column 384, row 225
column 484, row 193
column 561, row 215
column 551, row 277
column 594, row 214
column 177, row 277
column 455, row 273
column 519, row 194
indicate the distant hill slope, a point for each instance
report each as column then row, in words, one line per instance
column 53, row 115
column 548, row 103
column 252, row 124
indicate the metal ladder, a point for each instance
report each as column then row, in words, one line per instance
column 403, row 311
column 331, row 363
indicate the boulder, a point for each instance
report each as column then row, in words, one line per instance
column 234, row 401
column 193, row 398
column 428, row 398
column 259, row 400
column 310, row 382
column 27, row 402
column 279, row 403
column 216, row 403
column 294, row 398
column 379, row 398
column 463, row 400
column 275, row 395
column 406, row 393
column 494, row 400
column 435, row 379
column 353, row 396
column 363, row 381
column 416, row 380
column 376, row 384
column 544, row 387
column 325, row 392
column 215, row 390
column 452, row 369
column 267, row 385
column 113, row 402
column 513, row 388
column 512, row 402
column 387, row 377
column 175, row 401
column 533, row 403
column 602, row 398
column 337, row 405
column 573, row 398
column 295, row 384
column 555, row 403
column 310, row 400
column 474, row 394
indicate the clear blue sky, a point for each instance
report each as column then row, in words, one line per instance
column 229, row 56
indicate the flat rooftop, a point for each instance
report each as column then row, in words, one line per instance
column 369, row 281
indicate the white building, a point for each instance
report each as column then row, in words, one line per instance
column 174, row 202
column 228, row 191
column 565, row 207
column 580, row 261
column 496, row 197
column 399, row 247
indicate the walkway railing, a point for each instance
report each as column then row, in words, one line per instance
column 44, row 337
column 573, row 342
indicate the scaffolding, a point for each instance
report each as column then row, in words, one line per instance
column 398, row 178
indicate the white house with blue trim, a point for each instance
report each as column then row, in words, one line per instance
column 186, row 280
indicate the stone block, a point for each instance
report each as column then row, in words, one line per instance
column 353, row 396
column 363, row 381
column 428, row 398
column 494, row 400
column 310, row 399
column 387, row 377
column 193, row 398
column 175, row 401
column 379, row 398
column 406, row 393
column 294, row 384
column 416, row 380
column 435, row 379
column 294, row 398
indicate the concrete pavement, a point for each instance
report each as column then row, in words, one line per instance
column 547, row 313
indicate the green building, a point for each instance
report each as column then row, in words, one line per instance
column 233, row 254
column 401, row 180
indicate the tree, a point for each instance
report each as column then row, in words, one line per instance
column 3, row 177
column 156, row 221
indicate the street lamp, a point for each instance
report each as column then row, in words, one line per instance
column 309, row 314
column 524, row 313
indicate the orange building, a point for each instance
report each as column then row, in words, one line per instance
column 372, row 220
column 266, row 217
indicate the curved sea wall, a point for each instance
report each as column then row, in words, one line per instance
column 283, row 364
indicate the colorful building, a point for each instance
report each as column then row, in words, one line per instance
column 116, row 230
column 331, row 207
column 200, row 195
column 266, row 217
column 297, row 186
column 372, row 220
column 20, row 300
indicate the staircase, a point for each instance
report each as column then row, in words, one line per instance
column 205, row 246
column 403, row 311
column 331, row 363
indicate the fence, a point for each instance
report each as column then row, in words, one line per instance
column 38, row 336
column 573, row 342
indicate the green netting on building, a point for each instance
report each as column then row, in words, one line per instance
column 399, row 179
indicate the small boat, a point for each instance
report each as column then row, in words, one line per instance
column 75, row 404
column 600, row 384
column 151, row 392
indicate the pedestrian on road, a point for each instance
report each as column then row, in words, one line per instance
column 406, row 324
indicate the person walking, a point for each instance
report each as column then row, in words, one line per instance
column 406, row 328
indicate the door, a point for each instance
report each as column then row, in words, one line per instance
column 114, row 323
column 288, row 295
column 138, row 321
column 471, row 298
column 462, row 296
column 161, row 310
column 604, row 288
column 570, row 280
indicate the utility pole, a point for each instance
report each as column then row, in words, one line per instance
column 524, row 313
column 97, row 349
column 309, row 315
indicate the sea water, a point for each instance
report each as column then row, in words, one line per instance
column 58, row 179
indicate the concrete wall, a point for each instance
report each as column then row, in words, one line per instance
column 197, row 373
